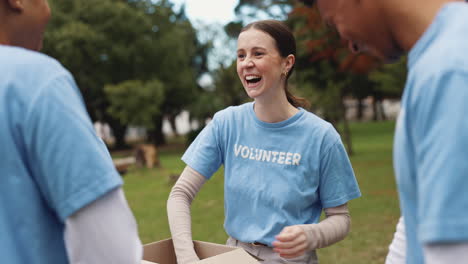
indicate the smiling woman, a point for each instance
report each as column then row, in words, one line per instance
column 280, row 161
column 265, row 60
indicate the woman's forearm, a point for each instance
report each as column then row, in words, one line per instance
column 178, row 211
column 332, row 229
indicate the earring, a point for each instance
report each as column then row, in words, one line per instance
column 285, row 73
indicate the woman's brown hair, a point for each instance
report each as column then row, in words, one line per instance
column 286, row 45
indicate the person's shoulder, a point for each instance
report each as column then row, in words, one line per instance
column 32, row 74
column 457, row 38
column 315, row 121
column 19, row 60
column 320, row 127
column 446, row 52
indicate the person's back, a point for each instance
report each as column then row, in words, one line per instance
column 431, row 149
column 61, row 199
column 40, row 182
column 25, row 215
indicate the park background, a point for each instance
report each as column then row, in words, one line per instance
column 152, row 76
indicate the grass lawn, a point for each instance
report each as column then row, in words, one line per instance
column 374, row 215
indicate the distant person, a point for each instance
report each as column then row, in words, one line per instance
column 282, row 164
column 431, row 142
column 60, row 196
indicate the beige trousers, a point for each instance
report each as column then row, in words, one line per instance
column 269, row 256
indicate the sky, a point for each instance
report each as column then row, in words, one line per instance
column 209, row 11
column 215, row 13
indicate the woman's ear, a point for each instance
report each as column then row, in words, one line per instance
column 290, row 60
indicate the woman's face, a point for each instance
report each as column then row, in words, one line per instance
column 259, row 64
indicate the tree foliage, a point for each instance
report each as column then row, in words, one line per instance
column 391, row 78
column 135, row 102
column 141, row 47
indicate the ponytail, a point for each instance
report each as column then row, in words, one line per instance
column 295, row 100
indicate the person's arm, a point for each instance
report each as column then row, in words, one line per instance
column 178, row 212
column 75, row 175
column 397, row 249
column 294, row 241
column 104, row 231
column 437, row 133
column 446, row 253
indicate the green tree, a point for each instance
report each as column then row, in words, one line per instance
column 113, row 44
column 100, row 43
column 223, row 88
column 248, row 10
column 391, row 78
column 134, row 102
column 228, row 86
column 178, row 64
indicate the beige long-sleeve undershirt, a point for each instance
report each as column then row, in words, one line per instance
column 330, row 230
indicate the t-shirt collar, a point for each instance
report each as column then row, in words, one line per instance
column 278, row 124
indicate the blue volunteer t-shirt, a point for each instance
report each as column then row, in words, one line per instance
column 276, row 174
column 51, row 162
column 431, row 141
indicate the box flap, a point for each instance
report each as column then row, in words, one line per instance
column 160, row 252
column 206, row 249
column 147, row 262
column 232, row 257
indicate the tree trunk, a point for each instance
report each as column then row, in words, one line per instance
column 360, row 109
column 380, row 108
column 375, row 116
column 172, row 121
column 156, row 135
column 119, row 134
column 346, row 130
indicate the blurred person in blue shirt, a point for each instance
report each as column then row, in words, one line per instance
column 60, row 196
column 431, row 142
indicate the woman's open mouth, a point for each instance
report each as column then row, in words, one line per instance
column 252, row 80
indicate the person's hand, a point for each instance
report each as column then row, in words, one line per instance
column 291, row 242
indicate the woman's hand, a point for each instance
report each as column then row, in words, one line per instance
column 291, row 242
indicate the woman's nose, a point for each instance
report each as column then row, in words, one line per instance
column 248, row 63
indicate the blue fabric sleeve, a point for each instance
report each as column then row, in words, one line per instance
column 204, row 154
column 69, row 163
column 441, row 142
column 338, row 184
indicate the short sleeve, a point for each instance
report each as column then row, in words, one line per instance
column 440, row 137
column 204, row 154
column 338, row 184
column 69, row 163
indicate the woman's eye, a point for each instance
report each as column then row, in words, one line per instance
column 258, row 54
column 240, row 56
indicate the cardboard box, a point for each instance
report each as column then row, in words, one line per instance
column 162, row 252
